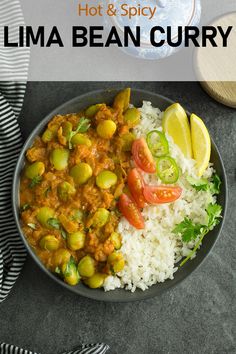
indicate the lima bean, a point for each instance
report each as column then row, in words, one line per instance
column 47, row 136
column 65, row 190
column 76, row 240
column 106, row 129
column 132, row 117
column 59, row 158
column 115, row 238
column 116, row 261
column 70, row 273
column 95, row 281
column 127, row 141
column 86, row 267
column 106, row 179
column 61, row 256
column 34, row 170
column 49, row 243
column 44, row 214
column 100, row 217
column 81, row 173
column 81, row 139
column 92, row 110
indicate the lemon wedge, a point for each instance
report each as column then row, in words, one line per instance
column 176, row 124
column 201, row 143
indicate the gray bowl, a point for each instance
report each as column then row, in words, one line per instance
column 120, row 295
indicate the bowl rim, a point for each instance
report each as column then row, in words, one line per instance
column 15, row 190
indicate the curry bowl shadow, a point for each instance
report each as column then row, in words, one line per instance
column 119, row 295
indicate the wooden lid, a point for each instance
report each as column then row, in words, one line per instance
column 216, row 67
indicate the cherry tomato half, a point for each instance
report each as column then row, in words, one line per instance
column 143, row 156
column 161, row 194
column 130, row 211
column 136, row 184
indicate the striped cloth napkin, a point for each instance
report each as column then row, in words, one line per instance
column 98, row 348
column 12, row 250
column 14, row 67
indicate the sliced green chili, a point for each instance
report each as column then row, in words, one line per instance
column 157, row 143
column 167, row 170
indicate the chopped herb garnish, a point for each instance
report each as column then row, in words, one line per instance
column 190, row 231
column 214, row 215
column 58, row 270
column 215, row 184
column 25, row 207
column 203, row 184
column 199, row 184
column 63, row 234
column 77, row 216
column 69, row 265
column 36, row 180
column 82, row 127
column 32, row 226
column 54, row 223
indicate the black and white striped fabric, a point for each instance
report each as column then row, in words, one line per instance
column 13, row 67
column 12, row 251
column 99, row 348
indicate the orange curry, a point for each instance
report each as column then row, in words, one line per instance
column 73, row 177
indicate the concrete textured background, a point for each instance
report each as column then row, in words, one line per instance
column 198, row 316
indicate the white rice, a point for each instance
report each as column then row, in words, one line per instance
column 151, row 254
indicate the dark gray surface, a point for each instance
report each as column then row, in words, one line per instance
column 196, row 317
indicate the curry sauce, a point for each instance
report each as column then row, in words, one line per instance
column 73, row 176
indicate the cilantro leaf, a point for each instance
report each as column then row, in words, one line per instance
column 214, row 215
column 36, row 180
column 58, row 270
column 191, row 231
column 199, row 184
column 77, row 216
column 215, row 184
column 63, row 234
column 202, row 184
column 25, row 207
column 188, row 230
column 69, row 266
column 82, row 127
column 54, row 223
column 194, row 250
